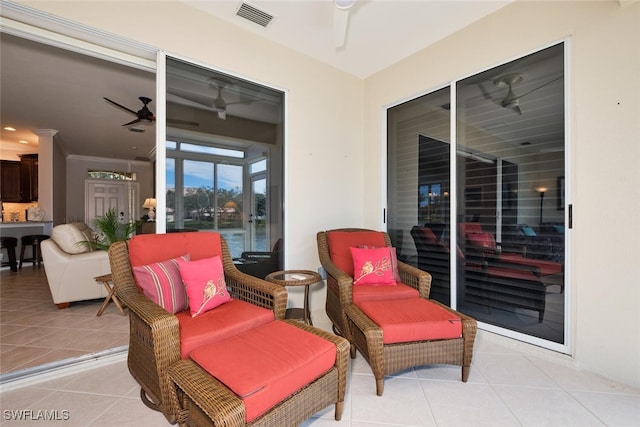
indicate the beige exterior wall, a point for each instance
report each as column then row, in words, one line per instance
column 335, row 135
column 604, row 78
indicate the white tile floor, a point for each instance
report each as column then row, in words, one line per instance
column 506, row 388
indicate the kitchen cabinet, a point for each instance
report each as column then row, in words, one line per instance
column 10, row 181
column 29, row 177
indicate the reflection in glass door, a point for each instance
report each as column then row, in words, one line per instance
column 218, row 125
column 258, row 215
column 485, row 211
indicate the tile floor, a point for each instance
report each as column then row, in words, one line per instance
column 33, row 331
column 506, row 387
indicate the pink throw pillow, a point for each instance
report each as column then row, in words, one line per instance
column 206, row 287
column 161, row 282
column 394, row 261
column 372, row 266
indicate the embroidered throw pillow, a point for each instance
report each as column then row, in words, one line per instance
column 161, row 283
column 372, row 266
column 394, row 261
column 204, row 280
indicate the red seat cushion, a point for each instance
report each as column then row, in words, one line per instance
column 546, row 267
column 224, row 321
column 375, row 293
column 340, row 243
column 267, row 364
column 413, row 319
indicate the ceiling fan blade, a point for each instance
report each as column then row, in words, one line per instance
column 135, row 113
column 541, row 86
column 133, row 122
column 202, row 100
column 341, row 21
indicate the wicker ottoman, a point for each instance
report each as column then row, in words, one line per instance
column 203, row 400
column 410, row 332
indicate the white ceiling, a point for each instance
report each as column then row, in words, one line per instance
column 48, row 88
column 379, row 33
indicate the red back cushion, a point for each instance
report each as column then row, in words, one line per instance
column 149, row 248
column 471, row 227
column 427, row 235
column 340, row 243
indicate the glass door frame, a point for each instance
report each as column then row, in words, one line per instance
column 567, row 345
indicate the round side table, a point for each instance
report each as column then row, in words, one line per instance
column 296, row 278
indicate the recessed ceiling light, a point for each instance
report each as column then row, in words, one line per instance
column 9, row 128
column 133, row 147
column 22, row 141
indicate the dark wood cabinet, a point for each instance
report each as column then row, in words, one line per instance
column 10, row 181
column 29, row 177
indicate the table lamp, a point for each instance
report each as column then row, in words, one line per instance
column 150, row 204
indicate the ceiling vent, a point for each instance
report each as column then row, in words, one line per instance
column 254, row 14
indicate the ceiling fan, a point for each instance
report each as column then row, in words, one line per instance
column 219, row 104
column 143, row 115
column 341, row 21
column 512, row 101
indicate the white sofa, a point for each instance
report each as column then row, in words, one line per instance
column 71, row 266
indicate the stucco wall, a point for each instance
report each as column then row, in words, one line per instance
column 334, row 178
column 603, row 177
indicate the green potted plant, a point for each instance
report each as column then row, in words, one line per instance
column 110, row 229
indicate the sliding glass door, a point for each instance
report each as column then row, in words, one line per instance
column 219, row 127
column 477, row 180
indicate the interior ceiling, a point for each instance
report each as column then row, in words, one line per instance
column 44, row 87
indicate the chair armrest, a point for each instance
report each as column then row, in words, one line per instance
column 257, row 291
column 416, row 278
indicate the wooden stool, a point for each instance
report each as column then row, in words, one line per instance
column 32, row 240
column 107, row 282
column 10, row 244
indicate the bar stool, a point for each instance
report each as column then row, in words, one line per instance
column 10, row 244
column 32, row 240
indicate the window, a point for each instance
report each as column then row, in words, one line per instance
column 224, row 156
column 489, row 227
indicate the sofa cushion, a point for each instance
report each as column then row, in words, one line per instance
column 372, row 266
column 161, row 283
column 376, row 293
column 412, row 319
column 225, row 321
column 69, row 236
column 340, row 243
column 205, row 284
column 265, row 365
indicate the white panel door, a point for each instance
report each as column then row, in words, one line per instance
column 102, row 196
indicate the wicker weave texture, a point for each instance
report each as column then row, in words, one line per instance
column 203, row 401
column 366, row 336
column 340, row 284
column 154, row 339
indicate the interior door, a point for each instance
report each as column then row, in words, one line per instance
column 101, row 196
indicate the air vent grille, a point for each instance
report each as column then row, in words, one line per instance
column 254, row 14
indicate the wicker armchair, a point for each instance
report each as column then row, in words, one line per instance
column 154, row 344
column 340, row 284
column 367, row 336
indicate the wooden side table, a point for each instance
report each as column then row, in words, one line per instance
column 106, row 281
column 296, row 278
